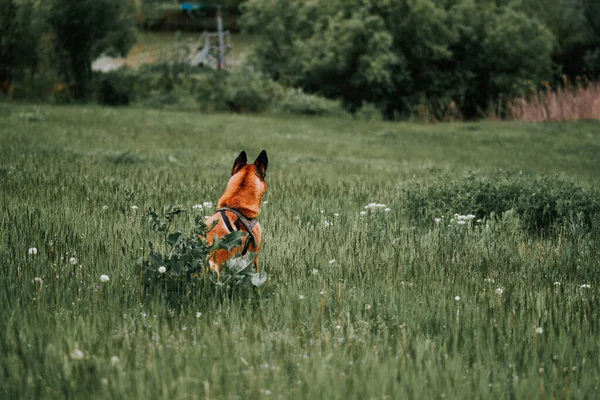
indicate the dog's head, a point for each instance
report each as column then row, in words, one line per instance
column 247, row 183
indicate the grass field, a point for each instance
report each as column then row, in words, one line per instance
column 406, row 310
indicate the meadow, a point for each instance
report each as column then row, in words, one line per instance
column 361, row 302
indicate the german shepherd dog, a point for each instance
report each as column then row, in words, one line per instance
column 238, row 208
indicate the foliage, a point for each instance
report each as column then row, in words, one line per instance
column 20, row 34
column 394, row 54
column 84, row 30
column 541, row 204
column 295, row 101
column 183, row 269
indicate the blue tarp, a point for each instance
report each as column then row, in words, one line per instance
column 191, row 6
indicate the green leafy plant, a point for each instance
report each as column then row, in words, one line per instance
column 180, row 265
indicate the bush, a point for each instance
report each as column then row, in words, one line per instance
column 246, row 89
column 295, row 101
column 541, row 204
column 115, row 88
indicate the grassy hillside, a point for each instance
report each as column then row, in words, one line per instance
column 357, row 306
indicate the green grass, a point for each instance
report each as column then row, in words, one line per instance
column 379, row 322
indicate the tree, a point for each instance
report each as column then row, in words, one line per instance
column 20, row 34
column 402, row 54
column 84, row 29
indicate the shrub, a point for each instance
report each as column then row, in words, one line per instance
column 247, row 89
column 295, row 101
column 541, row 204
column 115, row 88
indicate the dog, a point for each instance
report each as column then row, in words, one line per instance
column 238, row 209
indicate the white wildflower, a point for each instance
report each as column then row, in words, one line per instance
column 301, row 297
column 197, row 206
column 104, row 278
column 539, row 330
column 556, row 283
column 207, row 204
column 134, row 208
column 470, row 216
column 162, row 270
column 336, row 215
column 585, row 286
column 198, row 314
column 32, row 251
column 326, row 223
column 114, row 360
column 499, row 290
column 37, row 279
column 73, row 261
column 363, row 213
column 461, row 222
column 266, row 202
column 77, row 354
column 367, row 307
column 437, row 220
column 338, row 327
column 105, row 208
column 387, row 209
column 456, row 298
column 315, row 271
column 331, row 262
column 322, row 211
column 323, row 292
column 488, row 280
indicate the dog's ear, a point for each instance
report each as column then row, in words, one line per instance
column 261, row 163
column 239, row 162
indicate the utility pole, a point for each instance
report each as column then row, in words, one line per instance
column 220, row 36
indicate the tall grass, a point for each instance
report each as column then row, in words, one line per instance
column 568, row 102
column 361, row 302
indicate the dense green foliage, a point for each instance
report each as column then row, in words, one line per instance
column 464, row 54
column 20, row 35
column 379, row 321
column 84, row 30
column 541, row 204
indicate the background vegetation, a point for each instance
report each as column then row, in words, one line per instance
column 361, row 302
column 424, row 59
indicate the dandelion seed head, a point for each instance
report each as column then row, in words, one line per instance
column 77, row 354
column 104, row 278
column 456, row 298
column 162, row 270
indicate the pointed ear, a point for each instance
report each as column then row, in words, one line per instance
column 239, row 162
column 261, row 163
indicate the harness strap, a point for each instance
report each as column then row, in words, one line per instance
column 248, row 224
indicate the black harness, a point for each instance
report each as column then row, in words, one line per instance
column 241, row 220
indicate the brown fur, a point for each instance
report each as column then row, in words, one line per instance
column 244, row 192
